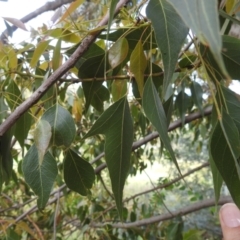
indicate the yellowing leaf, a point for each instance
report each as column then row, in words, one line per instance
column 230, row 5
column 72, row 7
column 44, row 66
column 138, row 64
column 118, row 52
column 56, row 56
column 41, row 47
column 119, row 89
column 77, row 109
column 12, row 57
column 42, row 137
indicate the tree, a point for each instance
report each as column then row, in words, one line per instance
column 132, row 75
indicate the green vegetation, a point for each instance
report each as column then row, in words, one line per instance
column 91, row 102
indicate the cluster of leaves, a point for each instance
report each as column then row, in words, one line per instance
column 140, row 73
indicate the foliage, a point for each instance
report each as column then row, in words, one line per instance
column 65, row 119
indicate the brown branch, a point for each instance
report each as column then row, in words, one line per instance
column 82, row 48
column 49, row 6
column 163, row 217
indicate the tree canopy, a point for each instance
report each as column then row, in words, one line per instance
column 100, row 89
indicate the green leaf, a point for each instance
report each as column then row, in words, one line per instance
column 56, row 56
column 197, row 95
column 99, row 96
column 3, row 109
column 6, row 161
column 170, row 33
column 143, row 32
column 154, row 111
column 116, row 124
column 40, row 177
column 41, row 47
column 94, row 59
column 217, row 179
column 182, row 103
column 111, row 12
column 174, row 229
column 14, row 97
column 118, row 52
column 42, row 137
column 225, row 151
column 22, row 128
column 138, row 64
column 90, row 89
column 231, row 58
column 62, row 123
column 231, row 104
column 202, row 18
column 78, row 174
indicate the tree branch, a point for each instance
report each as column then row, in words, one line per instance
column 163, row 217
column 82, row 48
column 49, row 6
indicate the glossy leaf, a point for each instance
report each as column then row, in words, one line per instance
column 113, row 5
column 56, row 56
column 40, row 177
column 197, row 95
column 42, row 137
column 202, row 18
column 22, row 128
column 217, row 179
column 225, row 151
column 3, row 109
column 62, row 123
column 116, row 124
column 133, row 35
column 14, row 97
column 138, row 64
column 118, row 52
column 65, row 35
column 41, row 47
column 182, row 103
column 232, row 101
column 154, row 111
column 12, row 59
column 170, row 33
column 94, row 60
column 99, row 96
column 78, row 174
column 6, row 160
column 231, row 57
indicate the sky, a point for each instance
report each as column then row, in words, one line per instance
column 20, row 8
